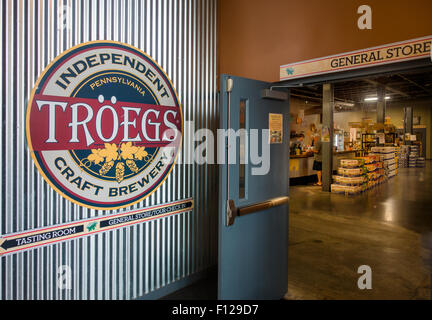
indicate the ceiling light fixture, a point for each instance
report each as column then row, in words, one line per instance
column 345, row 104
column 375, row 98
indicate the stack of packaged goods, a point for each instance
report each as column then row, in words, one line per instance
column 397, row 155
column 374, row 170
column 358, row 174
column 403, row 156
column 420, row 162
column 351, row 178
column 413, row 155
column 397, row 152
column 396, row 164
column 388, row 158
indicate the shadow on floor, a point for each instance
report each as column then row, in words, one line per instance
column 205, row 289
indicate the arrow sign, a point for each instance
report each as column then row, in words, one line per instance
column 41, row 237
column 30, row 239
column 145, row 215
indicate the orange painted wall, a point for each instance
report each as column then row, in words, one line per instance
column 257, row 36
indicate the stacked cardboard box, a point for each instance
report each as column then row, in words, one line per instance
column 420, row 162
column 358, row 174
column 403, row 156
column 388, row 157
column 397, row 151
column 351, row 178
column 413, row 155
column 375, row 171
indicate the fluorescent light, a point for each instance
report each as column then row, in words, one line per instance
column 345, row 104
column 375, row 98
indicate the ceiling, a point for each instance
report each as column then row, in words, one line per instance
column 351, row 94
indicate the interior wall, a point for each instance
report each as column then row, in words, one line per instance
column 296, row 105
column 139, row 259
column 342, row 119
column 257, row 37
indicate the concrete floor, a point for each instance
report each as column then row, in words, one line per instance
column 388, row 228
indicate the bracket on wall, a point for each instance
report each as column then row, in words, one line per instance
column 274, row 94
column 278, row 94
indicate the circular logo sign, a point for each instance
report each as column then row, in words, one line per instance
column 104, row 125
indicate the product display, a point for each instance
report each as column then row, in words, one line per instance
column 359, row 174
column 371, row 158
column 383, row 150
column 404, row 156
column 376, row 174
column 390, row 161
column 420, row 162
column 351, row 172
column 373, row 166
column 352, row 163
column 413, row 155
column 348, row 190
column 350, row 181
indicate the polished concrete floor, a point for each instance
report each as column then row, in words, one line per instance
column 388, row 228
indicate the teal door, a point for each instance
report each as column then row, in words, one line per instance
column 253, row 237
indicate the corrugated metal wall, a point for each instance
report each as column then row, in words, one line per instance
column 128, row 262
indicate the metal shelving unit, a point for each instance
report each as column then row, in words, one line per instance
column 390, row 138
column 366, row 145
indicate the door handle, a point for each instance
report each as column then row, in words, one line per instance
column 233, row 211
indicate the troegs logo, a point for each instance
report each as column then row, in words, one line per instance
column 104, row 125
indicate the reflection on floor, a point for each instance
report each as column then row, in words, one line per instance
column 388, row 228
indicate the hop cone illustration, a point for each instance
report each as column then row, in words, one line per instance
column 120, row 168
column 106, row 167
column 132, row 165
